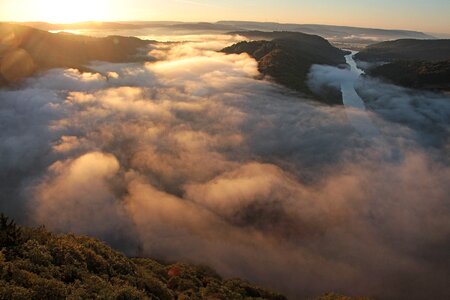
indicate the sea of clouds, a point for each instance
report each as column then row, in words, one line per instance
column 192, row 158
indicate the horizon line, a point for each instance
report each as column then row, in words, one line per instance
column 214, row 22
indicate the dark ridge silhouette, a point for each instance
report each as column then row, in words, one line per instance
column 419, row 64
column 25, row 51
column 406, row 49
column 416, row 74
column 288, row 56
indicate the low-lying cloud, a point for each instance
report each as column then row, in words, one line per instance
column 191, row 158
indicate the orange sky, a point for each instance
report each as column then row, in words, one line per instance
column 428, row 16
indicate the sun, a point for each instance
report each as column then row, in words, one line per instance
column 70, row 11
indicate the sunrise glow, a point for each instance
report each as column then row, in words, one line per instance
column 61, row 11
column 428, row 16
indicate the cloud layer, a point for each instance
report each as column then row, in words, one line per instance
column 191, row 158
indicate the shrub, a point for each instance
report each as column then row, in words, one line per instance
column 13, row 292
column 36, row 264
column 48, row 289
column 130, row 293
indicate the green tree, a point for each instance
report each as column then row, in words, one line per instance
column 10, row 233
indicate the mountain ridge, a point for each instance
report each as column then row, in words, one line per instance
column 238, row 25
column 288, row 56
column 418, row 64
column 335, row 28
column 24, row 51
column 406, row 49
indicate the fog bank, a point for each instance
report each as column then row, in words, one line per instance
column 192, row 158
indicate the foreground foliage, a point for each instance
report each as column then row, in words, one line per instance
column 36, row 264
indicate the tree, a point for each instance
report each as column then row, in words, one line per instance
column 10, row 233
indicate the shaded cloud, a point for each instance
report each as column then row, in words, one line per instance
column 87, row 202
column 191, row 158
column 427, row 113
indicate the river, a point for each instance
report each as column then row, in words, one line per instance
column 355, row 108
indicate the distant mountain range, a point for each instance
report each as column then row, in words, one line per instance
column 421, row 64
column 287, row 57
column 338, row 35
column 329, row 30
column 25, row 51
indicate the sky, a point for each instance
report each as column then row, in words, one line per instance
column 428, row 16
